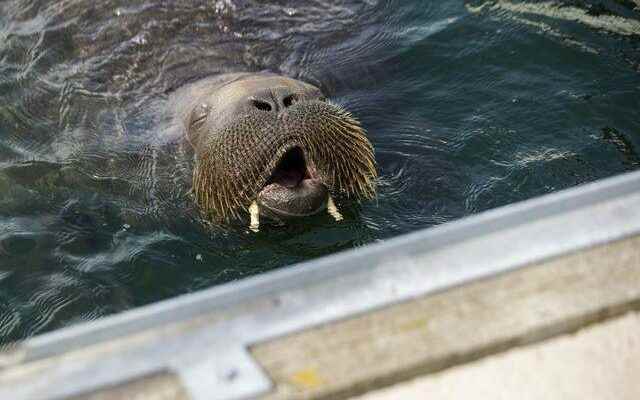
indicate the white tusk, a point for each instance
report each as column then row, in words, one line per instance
column 254, row 212
column 333, row 210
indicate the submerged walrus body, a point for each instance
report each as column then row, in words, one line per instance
column 271, row 146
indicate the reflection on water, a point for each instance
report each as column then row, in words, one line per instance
column 470, row 105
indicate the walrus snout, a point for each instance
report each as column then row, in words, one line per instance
column 293, row 189
column 267, row 144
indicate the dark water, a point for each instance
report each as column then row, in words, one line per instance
column 469, row 107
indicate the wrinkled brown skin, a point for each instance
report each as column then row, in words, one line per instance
column 243, row 126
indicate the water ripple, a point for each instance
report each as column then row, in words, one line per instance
column 470, row 105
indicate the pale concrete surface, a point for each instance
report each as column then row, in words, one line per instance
column 454, row 327
column 599, row 362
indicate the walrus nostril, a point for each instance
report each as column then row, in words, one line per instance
column 261, row 105
column 289, row 100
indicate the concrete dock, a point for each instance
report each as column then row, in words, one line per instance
column 601, row 361
column 565, row 328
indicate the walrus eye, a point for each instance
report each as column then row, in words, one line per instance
column 199, row 115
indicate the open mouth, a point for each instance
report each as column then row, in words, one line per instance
column 294, row 188
column 291, row 170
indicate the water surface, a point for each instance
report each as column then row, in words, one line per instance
column 470, row 106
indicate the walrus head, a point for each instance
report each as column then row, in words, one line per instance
column 274, row 142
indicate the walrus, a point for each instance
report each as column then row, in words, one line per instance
column 273, row 146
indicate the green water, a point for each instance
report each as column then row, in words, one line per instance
column 470, row 106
